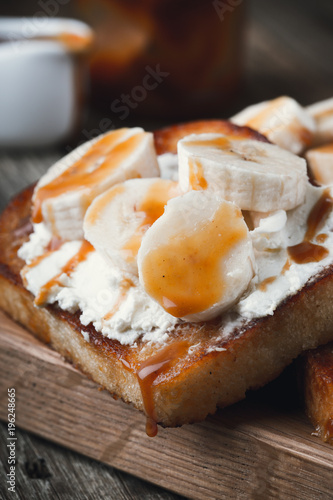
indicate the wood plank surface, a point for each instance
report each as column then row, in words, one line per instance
column 288, row 51
column 251, row 450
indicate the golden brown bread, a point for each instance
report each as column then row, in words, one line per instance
column 198, row 369
column 166, row 139
column 318, row 390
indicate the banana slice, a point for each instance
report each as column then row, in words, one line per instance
column 320, row 161
column 197, row 259
column 282, row 120
column 322, row 113
column 63, row 195
column 254, row 175
column 117, row 220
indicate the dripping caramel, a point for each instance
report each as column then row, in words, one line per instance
column 125, row 285
column 80, row 175
column 150, row 370
column 306, row 251
column 152, row 207
column 263, row 285
column 68, row 269
column 200, row 254
column 196, row 175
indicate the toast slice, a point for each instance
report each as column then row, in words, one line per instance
column 201, row 366
column 318, row 390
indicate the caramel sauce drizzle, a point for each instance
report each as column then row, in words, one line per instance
column 306, row 251
column 54, row 244
column 147, row 373
column 257, row 121
column 321, row 238
column 222, row 142
column 196, row 175
column 101, row 202
column 181, row 293
column 68, row 268
column 79, row 175
column 125, row 285
column 263, row 285
column 152, row 207
column 286, row 267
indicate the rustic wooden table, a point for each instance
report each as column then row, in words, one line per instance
column 289, row 51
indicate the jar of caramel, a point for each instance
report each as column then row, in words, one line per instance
column 166, row 58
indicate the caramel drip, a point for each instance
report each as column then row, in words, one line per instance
column 222, row 142
column 321, row 238
column 263, row 285
column 286, row 267
column 103, row 157
column 257, row 121
column 125, row 285
column 150, row 370
column 185, row 275
column 54, row 244
column 319, row 214
column 152, row 207
column 68, row 268
column 306, row 251
column 196, row 175
column 97, row 208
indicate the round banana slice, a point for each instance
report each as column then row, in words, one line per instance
column 254, row 175
column 64, row 193
column 197, row 259
column 283, row 120
column 320, row 161
column 322, row 113
column 117, row 219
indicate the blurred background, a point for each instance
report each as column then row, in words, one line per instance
column 155, row 62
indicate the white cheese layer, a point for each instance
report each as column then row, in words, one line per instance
column 275, row 279
column 95, row 289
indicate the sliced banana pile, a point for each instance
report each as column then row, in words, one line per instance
column 197, row 259
column 186, row 241
column 254, row 175
column 63, row 195
column 283, row 121
column 117, row 220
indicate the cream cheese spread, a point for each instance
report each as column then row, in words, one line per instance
column 95, row 288
column 118, row 306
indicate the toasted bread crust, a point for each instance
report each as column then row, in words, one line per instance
column 209, row 369
column 318, row 390
column 167, row 138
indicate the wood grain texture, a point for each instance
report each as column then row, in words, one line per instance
column 247, row 451
column 288, row 51
column 47, row 471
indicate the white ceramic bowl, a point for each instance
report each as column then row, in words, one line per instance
column 44, row 79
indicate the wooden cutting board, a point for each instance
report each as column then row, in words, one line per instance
column 250, row 450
